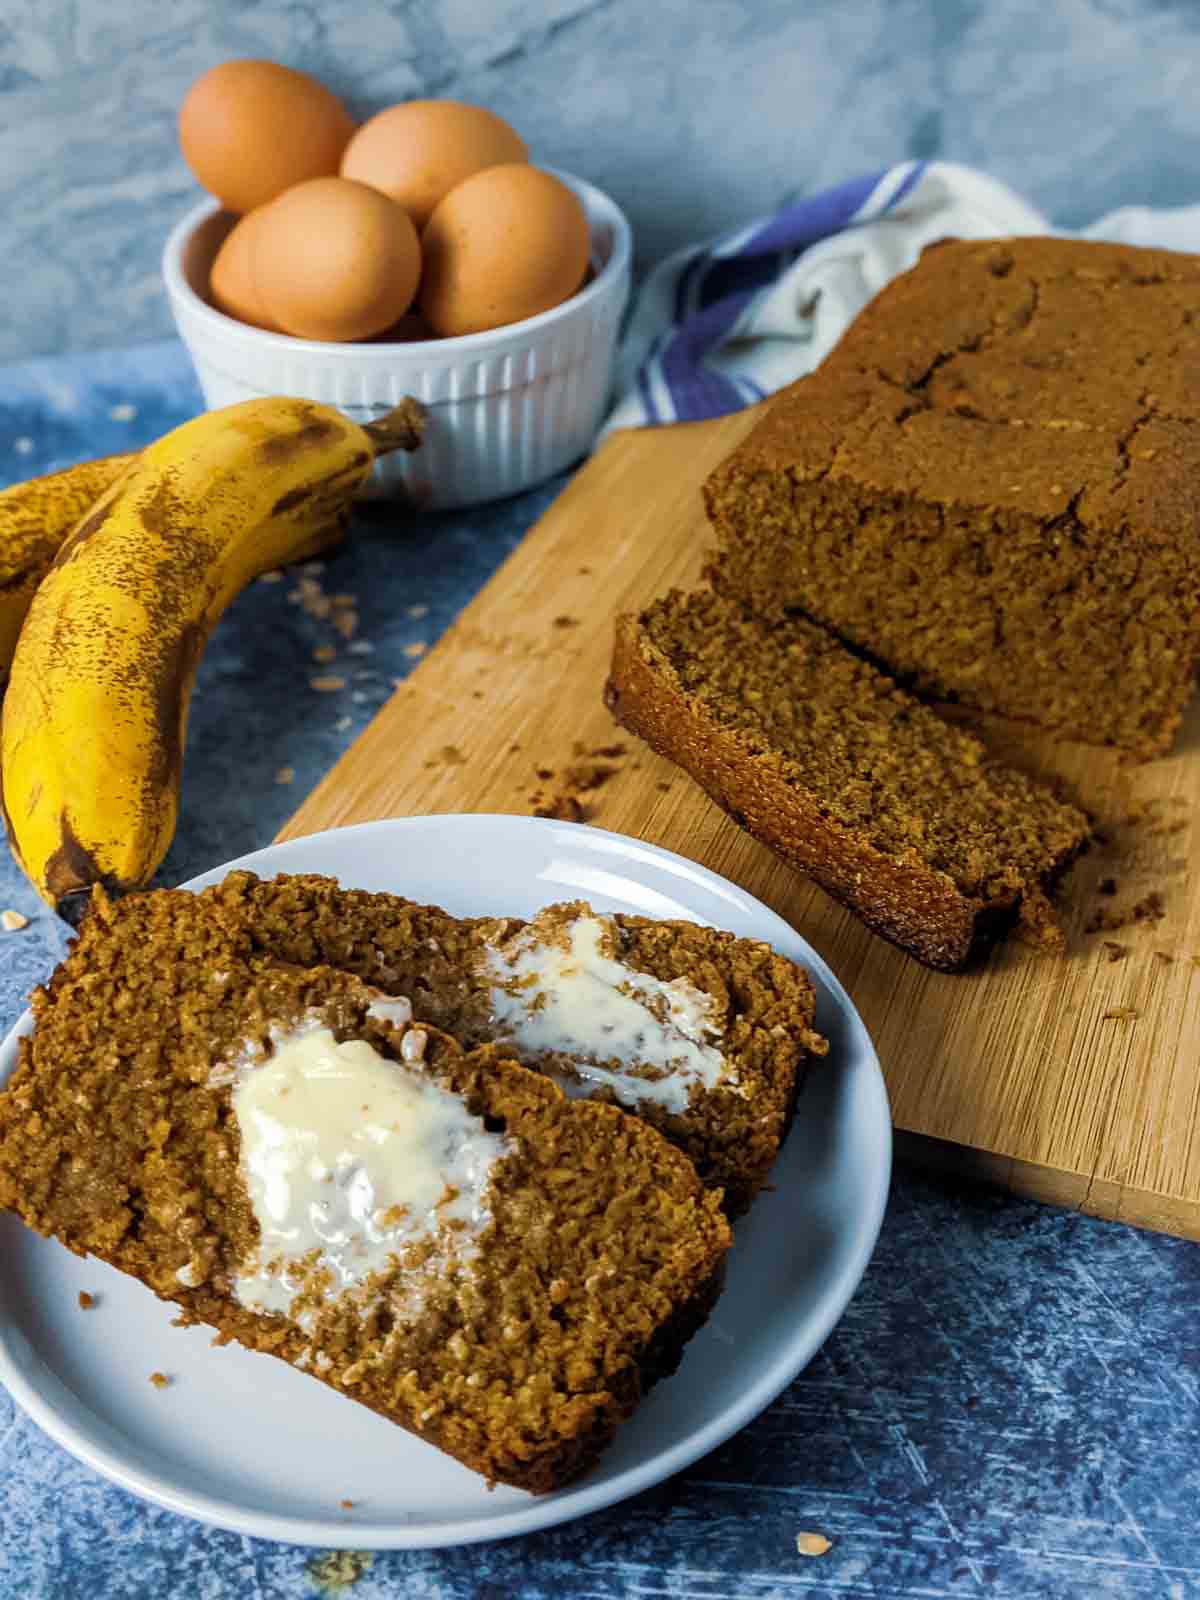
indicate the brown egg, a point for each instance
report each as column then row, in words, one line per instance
column 336, row 260
column 231, row 286
column 251, row 129
column 417, row 152
column 505, row 244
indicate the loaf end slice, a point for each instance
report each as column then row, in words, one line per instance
column 898, row 815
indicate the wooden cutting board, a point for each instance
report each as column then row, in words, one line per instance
column 1073, row 1079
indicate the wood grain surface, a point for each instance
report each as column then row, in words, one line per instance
column 1074, row 1078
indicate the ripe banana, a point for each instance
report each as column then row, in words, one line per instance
column 91, row 744
column 35, row 518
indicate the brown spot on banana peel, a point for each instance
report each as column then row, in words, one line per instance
column 92, row 523
column 36, row 568
column 281, row 447
column 304, row 492
column 160, row 512
column 173, row 674
column 71, row 873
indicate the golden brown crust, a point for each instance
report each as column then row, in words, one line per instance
column 989, row 486
column 917, row 909
column 907, row 900
column 601, row 1258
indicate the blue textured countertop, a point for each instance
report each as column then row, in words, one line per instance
column 1007, row 1409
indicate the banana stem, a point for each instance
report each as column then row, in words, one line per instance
column 399, row 429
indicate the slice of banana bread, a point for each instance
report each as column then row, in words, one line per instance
column 499, row 1269
column 989, row 486
column 897, row 814
column 702, row 1034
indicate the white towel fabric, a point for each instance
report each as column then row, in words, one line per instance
column 719, row 325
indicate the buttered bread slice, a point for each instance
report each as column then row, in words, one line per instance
column 436, row 1233
column 704, row 1035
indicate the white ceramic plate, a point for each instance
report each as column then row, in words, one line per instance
column 242, row 1441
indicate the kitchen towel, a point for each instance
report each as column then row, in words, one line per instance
column 720, row 325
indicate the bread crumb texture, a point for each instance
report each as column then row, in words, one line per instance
column 989, row 485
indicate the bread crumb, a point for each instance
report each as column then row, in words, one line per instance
column 345, row 620
column 563, row 808
column 342, row 724
column 1114, row 951
column 1152, row 908
column 160, row 1380
column 416, row 649
column 325, row 652
column 566, row 622
column 343, row 599
column 314, row 600
column 1161, row 829
column 813, row 1544
column 360, row 647
column 1164, row 956
column 346, row 1505
column 123, row 412
column 286, row 775
column 338, row 1571
column 417, row 612
column 274, row 576
column 86, row 1301
column 327, row 685
column 1121, row 1014
column 313, row 569
column 13, row 921
column 588, row 775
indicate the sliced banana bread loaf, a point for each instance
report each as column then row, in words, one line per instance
column 990, row 486
column 702, row 1034
column 896, row 813
column 499, row 1269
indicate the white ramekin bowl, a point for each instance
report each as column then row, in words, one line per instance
column 507, row 408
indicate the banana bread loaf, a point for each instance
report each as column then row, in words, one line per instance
column 989, row 485
column 499, row 1269
column 702, row 1034
column 899, row 815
